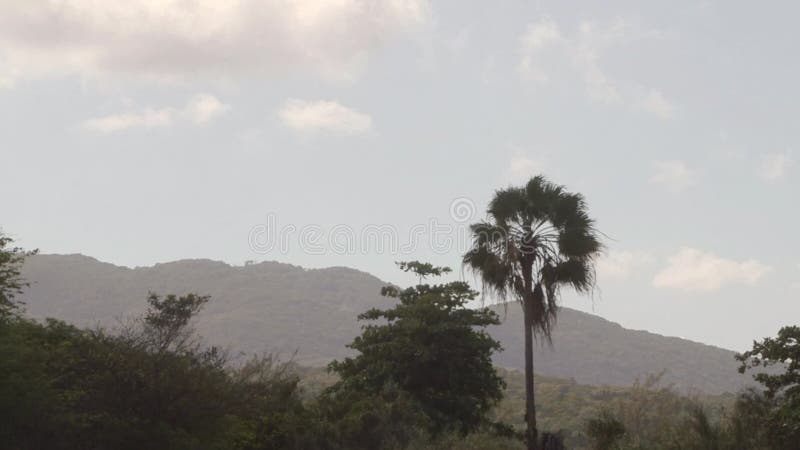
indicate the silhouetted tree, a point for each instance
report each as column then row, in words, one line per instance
column 537, row 239
column 11, row 281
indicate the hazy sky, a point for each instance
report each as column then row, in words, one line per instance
column 147, row 131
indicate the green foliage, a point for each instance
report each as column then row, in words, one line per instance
column 658, row 418
column 783, row 351
column 650, row 413
column 11, row 282
column 604, row 431
column 151, row 386
column 267, row 410
column 364, row 420
column 34, row 406
column 749, row 425
column 654, row 416
column 475, row 441
column 780, row 406
column 423, row 270
column 166, row 321
column 432, row 347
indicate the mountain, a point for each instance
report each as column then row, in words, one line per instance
column 275, row 307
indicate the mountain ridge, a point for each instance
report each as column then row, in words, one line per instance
column 278, row 307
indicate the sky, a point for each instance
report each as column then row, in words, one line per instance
column 359, row 133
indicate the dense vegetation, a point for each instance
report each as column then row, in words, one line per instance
column 432, row 347
column 62, row 387
column 152, row 384
column 649, row 410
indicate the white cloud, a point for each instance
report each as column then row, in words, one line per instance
column 537, row 37
column 204, row 108
column 547, row 49
column 620, row 264
column 149, row 118
column 675, row 176
column 774, row 166
column 169, row 39
column 6, row 81
column 541, row 34
column 591, row 41
column 199, row 110
column 694, row 270
column 654, row 102
column 325, row 116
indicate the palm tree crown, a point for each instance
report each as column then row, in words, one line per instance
column 538, row 231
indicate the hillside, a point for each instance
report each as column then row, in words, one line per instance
column 283, row 308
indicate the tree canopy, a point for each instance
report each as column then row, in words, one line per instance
column 11, row 281
column 431, row 346
column 779, row 361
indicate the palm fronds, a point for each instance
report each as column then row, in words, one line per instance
column 541, row 228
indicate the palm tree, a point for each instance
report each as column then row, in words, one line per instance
column 536, row 240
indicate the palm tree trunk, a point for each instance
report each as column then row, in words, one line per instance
column 530, row 405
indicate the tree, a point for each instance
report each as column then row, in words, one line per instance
column 368, row 419
column 782, row 387
column 166, row 324
column 604, row 430
column 749, row 422
column 11, row 281
column 706, row 434
column 432, row 347
column 37, row 411
column 537, row 238
column 153, row 386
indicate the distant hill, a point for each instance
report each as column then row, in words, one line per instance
column 284, row 308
